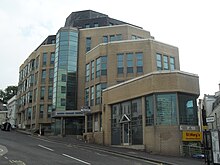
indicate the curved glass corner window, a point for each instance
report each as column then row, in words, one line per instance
column 187, row 109
column 166, row 109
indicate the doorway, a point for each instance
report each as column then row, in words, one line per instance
column 125, row 133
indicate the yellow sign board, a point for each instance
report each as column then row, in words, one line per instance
column 192, row 136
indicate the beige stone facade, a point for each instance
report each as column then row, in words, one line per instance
column 35, row 90
column 162, row 139
column 131, row 82
column 122, row 87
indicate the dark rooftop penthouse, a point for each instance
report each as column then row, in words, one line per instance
column 90, row 18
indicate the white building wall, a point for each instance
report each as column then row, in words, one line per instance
column 11, row 106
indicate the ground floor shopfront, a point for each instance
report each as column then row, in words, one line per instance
column 148, row 112
column 68, row 123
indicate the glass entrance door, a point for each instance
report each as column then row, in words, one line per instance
column 125, row 133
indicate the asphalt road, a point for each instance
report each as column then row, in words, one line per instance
column 22, row 149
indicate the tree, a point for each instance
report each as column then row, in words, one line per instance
column 8, row 93
column 2, row 94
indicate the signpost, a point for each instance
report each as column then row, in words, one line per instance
column 210, row 119
column 85, row 109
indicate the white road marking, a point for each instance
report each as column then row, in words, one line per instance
column 100, row 154
column 45, row 148
column 3, row 150
column 76, row 159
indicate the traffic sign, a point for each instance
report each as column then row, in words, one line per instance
column 210, row 119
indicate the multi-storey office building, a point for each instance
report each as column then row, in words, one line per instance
column 131, row 82
column 35, row 87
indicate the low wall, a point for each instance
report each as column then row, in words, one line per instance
column 93, row 137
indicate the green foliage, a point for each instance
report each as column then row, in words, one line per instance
column 8, row 93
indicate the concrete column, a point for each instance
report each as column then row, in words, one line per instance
column 99, row 128
column 61, row 126
column 93, row 122
column 86, row 120
column 107, row 124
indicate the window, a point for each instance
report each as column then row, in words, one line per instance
column 136, row 122
column 96, row 25
column 159, row 61
column 63, row 78
column 92, row 70
column 37, row 62
column 87, row 25
column 43, row 76
column 118, row 37
column 139, row 64
column 87, row 72
column 32, row 80
column 49, row 111
column 103, row 86
column 89, row 123
column 41, row 115
column 87, row 96
column 32, row 64
column 133, row 37
column 98, row 67
column 63, row 102
column 165, row 63
column 112, row 38
column 188, row 109
column 149, row 108
column 30, row 96
column 92, row 96
column 36, row 78
column 98, row 93
column 51, row 74
column 105, row 39
column 50, row 92
column 130, row 63
column 115, row 125
column 96, row 124
column 172, row 63
column 88, row 44
column 63, row 89
column 120, row 65
column 42, row 93
column 44, row 59
column 166, row 109
column 104, row 65
column 52, row 57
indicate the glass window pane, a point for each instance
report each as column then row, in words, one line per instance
column 159, row 61
column 149, row 108
column 166, row 109
column 188, row 109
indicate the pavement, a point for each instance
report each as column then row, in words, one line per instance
column 161, row 159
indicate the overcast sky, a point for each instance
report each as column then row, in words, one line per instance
column 191, row 25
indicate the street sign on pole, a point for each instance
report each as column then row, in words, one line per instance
column 210, row 119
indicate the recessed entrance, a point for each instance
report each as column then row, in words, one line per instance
column 125, row 132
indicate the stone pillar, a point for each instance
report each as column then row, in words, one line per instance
column 86, row 120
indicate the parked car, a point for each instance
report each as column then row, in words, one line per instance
column 6, row 126
column 198, row 156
